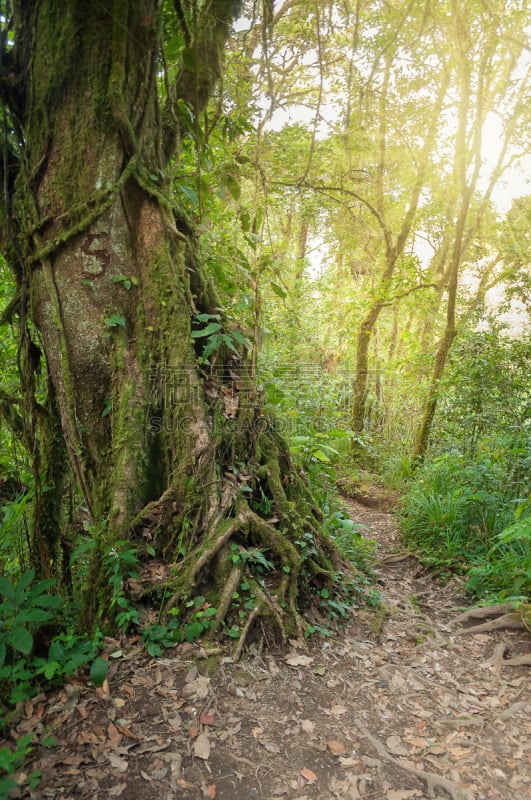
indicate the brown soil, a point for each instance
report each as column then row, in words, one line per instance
column 405, row 704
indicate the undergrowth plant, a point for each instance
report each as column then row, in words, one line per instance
column 467, row 508
column 467, row 515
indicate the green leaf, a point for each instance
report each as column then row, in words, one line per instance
column 230, row 344
column 212, row 345
column 48, row 741
column 5, row 785
column 211, row 328
column 99, row 670
column 20, row 639
column 34, row 778
column 206, row 317
column 188, row 192
column 320, row 456
column 245, row 221
column 37, row 615
column 48, row 601
column 115, row 321
column 6, row 589
column 240, row 338
column 279, row 290
column 25, row 580
column 50, row 669
column 232, row 185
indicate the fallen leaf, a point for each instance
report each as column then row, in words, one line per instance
column 116, row 791
column 336, row 748
column 175, row 761
column 200, row 687
column 271, row 747
column 350, row 761
column 201, row 747
column 308, row 775
column 113, row 734
column 175, row 722
column 117, row 762
column 103, row 691
column 307, row 726
column 205, row 718
column 338, row 709
column 396, row 746
column 295, row 660
column 125, row 731
column 418, row 742
column 210, row 791
column 191, row 675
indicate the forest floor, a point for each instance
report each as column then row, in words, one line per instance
column 407, row 703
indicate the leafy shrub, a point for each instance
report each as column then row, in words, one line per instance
column 460, row 514
column 32, row 646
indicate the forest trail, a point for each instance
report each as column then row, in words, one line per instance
column 406, row 704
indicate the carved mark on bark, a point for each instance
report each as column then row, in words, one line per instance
column 94, row 259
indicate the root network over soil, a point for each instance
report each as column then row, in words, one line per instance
column 418, row 700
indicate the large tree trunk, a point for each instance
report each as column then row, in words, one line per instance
column 111, row 280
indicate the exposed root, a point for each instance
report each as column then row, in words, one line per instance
column 255, row 613
column 247, row 548
column 393, row 558
column 497, row 658
column 431, row 779
column 518, row 661
column 486, row 611
column 513, row 620
column 259, row 527
column 498, row 661
column 226, row 596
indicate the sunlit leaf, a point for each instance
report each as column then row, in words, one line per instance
column 98, row 671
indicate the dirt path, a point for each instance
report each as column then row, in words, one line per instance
column 404, row 705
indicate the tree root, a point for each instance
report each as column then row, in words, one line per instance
column 486, row 611
column 248, row 549
column 518, row 661
column 393, row 558
column 431, row 779
column 513, row 620
column 498, row 661
column 259, row 527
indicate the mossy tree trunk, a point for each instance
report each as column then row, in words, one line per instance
column 111, row 281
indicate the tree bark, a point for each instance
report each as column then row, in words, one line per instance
column 112, row 283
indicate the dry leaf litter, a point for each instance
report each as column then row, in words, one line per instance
column 409, row 703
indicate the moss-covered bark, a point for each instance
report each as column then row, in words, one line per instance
column 111, row 280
